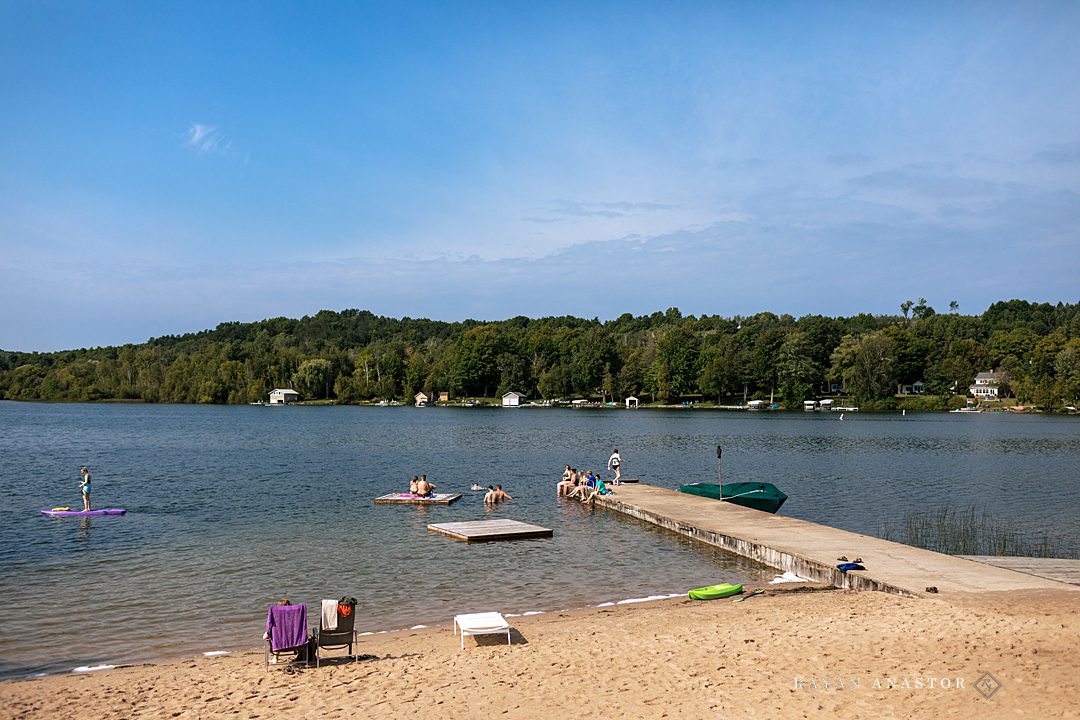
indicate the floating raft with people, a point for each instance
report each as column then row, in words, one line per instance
column 484, row 530
column 411, row 499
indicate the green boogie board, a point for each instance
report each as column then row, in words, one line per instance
column 713, row 592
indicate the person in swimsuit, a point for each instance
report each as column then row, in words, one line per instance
column 489, row 498
column 84, row 485
column 615, row 463
column 501, row 495
column 566, row 484
column 577, row 484
column 414, row 485
column 427, row 489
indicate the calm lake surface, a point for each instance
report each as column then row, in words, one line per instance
column 230, row 508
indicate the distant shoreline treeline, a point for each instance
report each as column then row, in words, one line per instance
column 355, row 356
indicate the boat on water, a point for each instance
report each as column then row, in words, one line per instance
column 966, row 410
column 754, row 495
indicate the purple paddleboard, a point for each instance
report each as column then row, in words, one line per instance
column 66, row 513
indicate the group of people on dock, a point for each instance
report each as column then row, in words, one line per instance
column 421, row 487
column 586, row 485
column 583, row 485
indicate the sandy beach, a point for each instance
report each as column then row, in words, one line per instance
column 794, row 653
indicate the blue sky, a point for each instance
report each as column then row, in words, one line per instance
column 168, row 166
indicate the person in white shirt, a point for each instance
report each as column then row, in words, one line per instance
column 615, row 463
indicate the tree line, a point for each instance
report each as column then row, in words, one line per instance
column 355, row 356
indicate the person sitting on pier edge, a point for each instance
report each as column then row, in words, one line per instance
column 600, row 489
column 578, row 487
column 565, row 485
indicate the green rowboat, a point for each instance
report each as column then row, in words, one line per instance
column 755, row 495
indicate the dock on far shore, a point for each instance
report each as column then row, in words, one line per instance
column 812, row 551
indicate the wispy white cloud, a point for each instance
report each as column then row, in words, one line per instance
column 209, row 140
column 604, row 210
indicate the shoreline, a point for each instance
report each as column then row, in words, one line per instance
column 152, row 658
column 787, row 653
column 1008, row 409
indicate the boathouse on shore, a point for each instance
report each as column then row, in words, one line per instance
column 284, row 396
column 512, row 399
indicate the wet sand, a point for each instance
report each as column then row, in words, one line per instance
column 786, row 654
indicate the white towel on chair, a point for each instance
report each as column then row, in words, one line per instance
column 329, row 614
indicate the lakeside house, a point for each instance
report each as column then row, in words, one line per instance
column 915, row 388
column 631, row 402
column 421, row 399
column 283, row 396
column 444, row 396
column 986, row 385
column 512, row 399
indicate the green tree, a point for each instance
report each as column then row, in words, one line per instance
column 865, row 365
column 675, row 368
column 797, row 370
column 475, row 369
column 1067, row 366
column 313, row 378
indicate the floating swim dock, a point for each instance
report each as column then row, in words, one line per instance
column 409, row 499
column 811, row 550
column 484, row 530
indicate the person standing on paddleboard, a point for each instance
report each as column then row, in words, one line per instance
column 615, row 463
column 84, row 485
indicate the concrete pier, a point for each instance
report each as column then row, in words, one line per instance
column 812, row 551
column 1067, row 571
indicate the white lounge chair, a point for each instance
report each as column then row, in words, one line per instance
column 488, row 623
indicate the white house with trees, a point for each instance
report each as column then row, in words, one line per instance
column 283, row 396
column 512, row 399
column 986, row 385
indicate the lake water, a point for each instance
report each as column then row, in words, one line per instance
column 231, row 508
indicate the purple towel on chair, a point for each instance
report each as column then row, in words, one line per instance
column 287, row 626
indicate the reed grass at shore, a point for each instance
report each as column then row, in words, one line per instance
column 974, row 531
